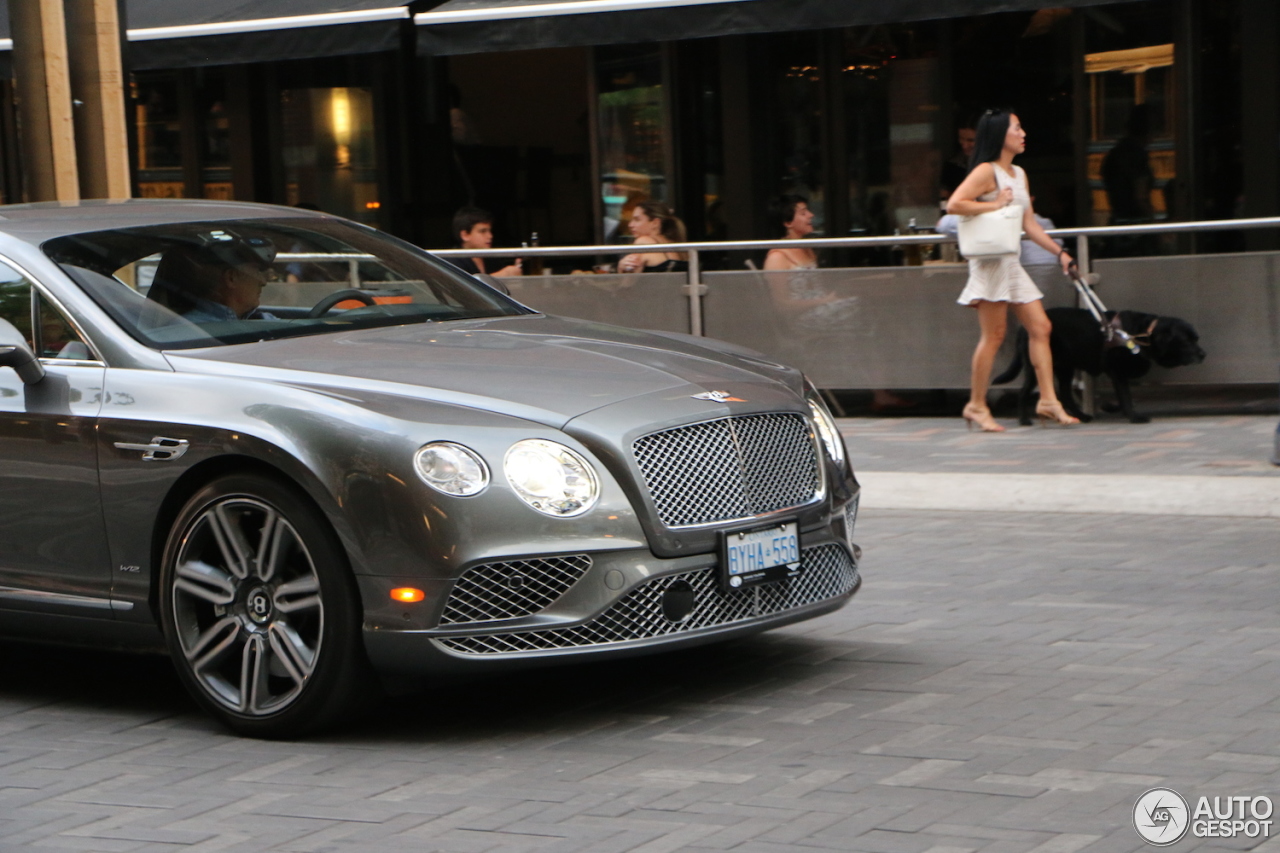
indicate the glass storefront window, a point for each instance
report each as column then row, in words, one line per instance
column 864, row 77
column 632, row 131
column 215, row 140
column 1131, row 140
column 159, row 122
column 798, row 124
column 330, row 155
column 1132, row 148
column 890, row 77
column 169, row 105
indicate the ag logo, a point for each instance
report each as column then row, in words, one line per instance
column 1161, row 816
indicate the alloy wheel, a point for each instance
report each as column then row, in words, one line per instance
column 247, row 609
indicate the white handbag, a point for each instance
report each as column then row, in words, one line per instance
column 993, row 234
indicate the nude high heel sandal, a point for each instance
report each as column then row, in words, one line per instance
column 980, row 417
column 1053, row 411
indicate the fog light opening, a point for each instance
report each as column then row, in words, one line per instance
column 677, row 601
column 407, row 595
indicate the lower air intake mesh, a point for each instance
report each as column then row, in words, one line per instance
column 512, row 589
column 827, row 573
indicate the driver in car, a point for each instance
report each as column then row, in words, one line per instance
column 218, row 278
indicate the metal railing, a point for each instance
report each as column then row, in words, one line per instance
column 695, row 288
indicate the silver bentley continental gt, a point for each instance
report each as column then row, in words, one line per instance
column 310, row 461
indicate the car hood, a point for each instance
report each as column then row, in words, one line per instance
column 541, row 368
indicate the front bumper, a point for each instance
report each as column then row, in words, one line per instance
column 637, row 622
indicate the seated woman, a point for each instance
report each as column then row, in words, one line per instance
column 654, row 222
column 791, row 215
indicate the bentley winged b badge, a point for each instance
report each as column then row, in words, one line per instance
column 718, row 397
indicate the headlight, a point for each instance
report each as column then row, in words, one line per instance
column 827, row 430
column 451, row 469
column 551, row 478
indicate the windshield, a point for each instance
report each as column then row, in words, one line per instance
column 202, row 284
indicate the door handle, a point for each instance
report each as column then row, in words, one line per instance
column 160, row 449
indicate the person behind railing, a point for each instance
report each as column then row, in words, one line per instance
column 997, row 283
column 653, row 222
column 474, row 229
column 814, row 306
column 1128, row 180
column 791, row 217
column 1126, row 171
column 956, row 168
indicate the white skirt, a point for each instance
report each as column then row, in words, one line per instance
column 998, row 280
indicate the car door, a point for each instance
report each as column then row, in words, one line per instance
column 53, row 544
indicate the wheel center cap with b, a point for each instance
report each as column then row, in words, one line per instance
column 257, row 605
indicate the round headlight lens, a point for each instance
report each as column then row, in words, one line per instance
column 551, row 478
column 451, row 469
column 827, row 430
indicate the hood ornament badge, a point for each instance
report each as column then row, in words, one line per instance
column 718, row 397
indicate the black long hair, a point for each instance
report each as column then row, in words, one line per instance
column 992, row 128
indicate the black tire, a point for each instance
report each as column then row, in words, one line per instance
column 260, row 611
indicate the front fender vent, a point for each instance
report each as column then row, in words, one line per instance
column 512, row 589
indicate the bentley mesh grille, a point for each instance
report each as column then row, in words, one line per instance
column 827, row 572
column 729, row 469
column 511, row 589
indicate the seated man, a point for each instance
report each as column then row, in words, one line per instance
column 474, row 229
column 219, row 278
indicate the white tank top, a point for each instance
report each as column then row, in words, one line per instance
column 1017, row 182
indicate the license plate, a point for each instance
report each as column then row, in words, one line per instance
column 749, row 557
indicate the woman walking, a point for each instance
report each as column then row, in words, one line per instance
column 995, row 284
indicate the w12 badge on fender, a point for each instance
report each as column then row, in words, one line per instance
column 749, row 557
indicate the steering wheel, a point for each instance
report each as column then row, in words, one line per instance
column 326, row 304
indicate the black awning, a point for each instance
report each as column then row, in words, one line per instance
column 186, row 33
column 182, row 33
column 482, row 26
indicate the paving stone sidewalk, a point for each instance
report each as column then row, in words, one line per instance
column 1005, row 682
column 1235, row 445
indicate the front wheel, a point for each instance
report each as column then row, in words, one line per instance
column 260, row 611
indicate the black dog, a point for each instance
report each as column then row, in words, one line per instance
column 1078, row 344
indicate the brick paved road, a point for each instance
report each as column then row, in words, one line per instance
column 1005, row 683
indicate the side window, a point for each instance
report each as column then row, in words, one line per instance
column 51, row 336
column 15, row 307
column 57, row 338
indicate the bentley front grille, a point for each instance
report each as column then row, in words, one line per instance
column 827, row 572
column 730, row 468
column 512, row 589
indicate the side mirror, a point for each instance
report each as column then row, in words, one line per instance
column 23, row 362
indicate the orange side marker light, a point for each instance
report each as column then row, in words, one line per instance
column 407, row 594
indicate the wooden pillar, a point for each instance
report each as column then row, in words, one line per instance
column 97, row 81
column 44, row 100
